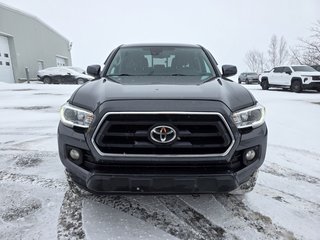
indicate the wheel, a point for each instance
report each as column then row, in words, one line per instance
column 296, row 86
column 247, row 186
column 247, row 81
column 239, row 81
column 59, row 80
column 80, row 81
column 47, row 80
column 265, row 84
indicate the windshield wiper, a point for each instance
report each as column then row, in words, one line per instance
column 119, row 75
column 110, row 79
column 210, row 79
column 190, row 75
column 178, row 74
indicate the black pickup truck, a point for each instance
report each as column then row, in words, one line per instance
column 161, row 118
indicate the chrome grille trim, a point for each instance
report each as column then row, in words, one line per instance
column 169, row 155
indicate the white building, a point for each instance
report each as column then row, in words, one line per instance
column 27, row 42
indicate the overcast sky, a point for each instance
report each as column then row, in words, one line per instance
column 227, row 28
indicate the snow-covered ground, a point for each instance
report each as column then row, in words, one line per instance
column 36, row 201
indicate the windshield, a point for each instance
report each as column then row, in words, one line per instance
column 303, row 69
column 161, row 61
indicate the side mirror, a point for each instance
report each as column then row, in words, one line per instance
column 94, row 70
column 229, row 70
column 288, row 73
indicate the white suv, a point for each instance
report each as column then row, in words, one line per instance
column 297, row 78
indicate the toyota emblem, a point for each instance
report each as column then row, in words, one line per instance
column 163, row 134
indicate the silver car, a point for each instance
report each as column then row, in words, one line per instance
column 248, row 77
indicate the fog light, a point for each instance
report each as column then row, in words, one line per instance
column 74, row 154
column 250, row 155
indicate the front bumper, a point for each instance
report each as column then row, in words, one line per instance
column 312, row 85
column 103, row 174
column 253, row 80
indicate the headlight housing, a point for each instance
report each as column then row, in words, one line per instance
column 73, row 116
column 249, row 117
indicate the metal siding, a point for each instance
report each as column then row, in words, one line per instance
column 32, row 41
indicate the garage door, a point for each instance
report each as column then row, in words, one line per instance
column 61, row 61
column 6, row 73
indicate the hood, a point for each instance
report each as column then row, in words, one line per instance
column 94, row 93
column 309, row 73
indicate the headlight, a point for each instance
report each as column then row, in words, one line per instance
column 249, row 117
column 73, row 116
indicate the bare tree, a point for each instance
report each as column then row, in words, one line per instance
column 278, row 54
column 273, row 51
column 295, row 56
column 283, row 52
column 255, row 61
column 261, row 62
column 308, row 51
column 278, row 51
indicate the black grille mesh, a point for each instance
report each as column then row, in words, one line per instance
column 196, row 134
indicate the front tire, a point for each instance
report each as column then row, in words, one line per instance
column 80, row 81
column 265, row 84
column 296, row 86
column 47, row 80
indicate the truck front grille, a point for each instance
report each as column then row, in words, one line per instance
column 197, row 134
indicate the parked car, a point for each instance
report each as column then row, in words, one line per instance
column 296, row 77
column 316, row 67
column 248, row 78
column 67, row 74
column 162, row 119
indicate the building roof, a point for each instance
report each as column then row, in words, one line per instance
column 12, row 9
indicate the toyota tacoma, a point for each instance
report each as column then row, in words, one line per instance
column 161, row 118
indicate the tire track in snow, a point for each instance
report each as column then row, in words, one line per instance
column 28, row 134
column 300, row 151
column 32, row 179
column 10, row 152
column 313, row 204
column 21, row 144
column 256, row 220
column 277, row 170
column 70, row 217
column 157, row 218
column 18, row 149
column 193, row 218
